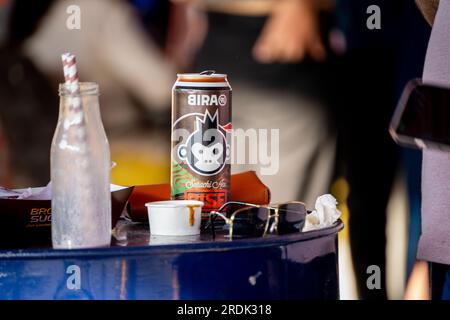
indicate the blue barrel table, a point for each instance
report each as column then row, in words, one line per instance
column 140, row 266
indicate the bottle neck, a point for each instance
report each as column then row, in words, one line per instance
column 85, row 100
column 86, row 88
column 79, row 124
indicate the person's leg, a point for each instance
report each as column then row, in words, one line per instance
column 371, row 161
column 370, row 179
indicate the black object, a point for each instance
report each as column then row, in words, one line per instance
column 422, row 117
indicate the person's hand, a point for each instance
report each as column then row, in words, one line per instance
column 291, row 33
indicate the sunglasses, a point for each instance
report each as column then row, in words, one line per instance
column 252, row 220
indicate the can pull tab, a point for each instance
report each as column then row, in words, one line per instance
column 207, row 72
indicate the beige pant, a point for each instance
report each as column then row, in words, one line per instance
column 306, row 146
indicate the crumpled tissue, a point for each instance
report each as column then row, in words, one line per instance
column 324, row 215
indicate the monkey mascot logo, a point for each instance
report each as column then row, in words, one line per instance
column 206, row 149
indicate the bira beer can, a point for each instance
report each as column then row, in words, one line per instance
column 201, row 126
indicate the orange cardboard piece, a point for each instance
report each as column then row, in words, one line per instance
column 245, row 187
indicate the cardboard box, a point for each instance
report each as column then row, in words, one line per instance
column 27, row 223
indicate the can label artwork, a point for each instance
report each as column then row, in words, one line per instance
column 201, row 121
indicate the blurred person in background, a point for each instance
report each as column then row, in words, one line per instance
column 376, row 64
column 366, row 102
column 112, row 49
column 272, row 52
column 433, row 254
column 29, row 105
column 267, row 48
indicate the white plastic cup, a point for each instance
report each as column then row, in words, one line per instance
column 175, row 217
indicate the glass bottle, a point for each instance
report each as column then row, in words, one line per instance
column 80, row 172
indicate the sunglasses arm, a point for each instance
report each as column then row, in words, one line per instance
column 237, row 202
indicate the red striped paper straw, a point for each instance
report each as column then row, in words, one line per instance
column 76, row 116
column 70, row 73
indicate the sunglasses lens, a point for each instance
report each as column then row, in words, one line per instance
column 292, row 217
column 250, row 221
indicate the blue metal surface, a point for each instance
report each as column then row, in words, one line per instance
column 297, row 266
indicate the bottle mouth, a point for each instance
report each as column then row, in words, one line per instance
column 86, row 88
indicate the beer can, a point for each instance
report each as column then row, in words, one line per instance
column 201, row 148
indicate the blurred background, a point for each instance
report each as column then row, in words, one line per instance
column 311, row 68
